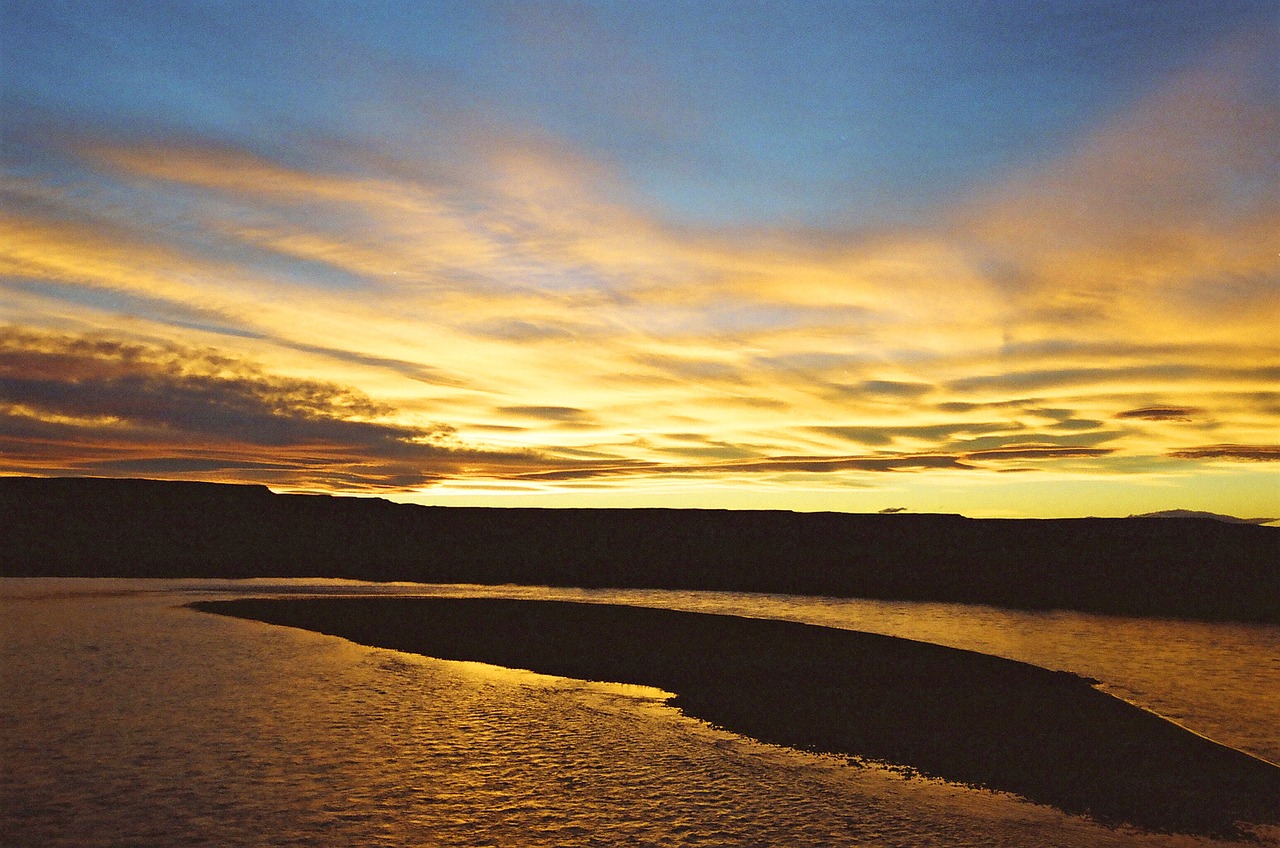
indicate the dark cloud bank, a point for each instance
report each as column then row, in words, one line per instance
column 1247, row 453
column 100, row 406
column 1160, row 413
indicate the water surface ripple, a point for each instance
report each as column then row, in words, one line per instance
column 129, row 720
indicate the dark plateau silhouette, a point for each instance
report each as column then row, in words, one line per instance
column 1174, row 567
column 963, row 716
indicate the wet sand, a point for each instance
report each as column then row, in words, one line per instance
column 962, row 716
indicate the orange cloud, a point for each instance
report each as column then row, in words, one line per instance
column 1248, row 453
column 1116, row 304
column 98, row 405
column 1150, row 225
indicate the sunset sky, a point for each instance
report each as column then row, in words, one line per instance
column 994, row 258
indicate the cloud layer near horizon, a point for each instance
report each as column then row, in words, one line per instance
column 515, row 314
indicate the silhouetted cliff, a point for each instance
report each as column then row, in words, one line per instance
column 136, row 528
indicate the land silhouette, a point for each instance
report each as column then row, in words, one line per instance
column 1174, row 567
column 963, row 716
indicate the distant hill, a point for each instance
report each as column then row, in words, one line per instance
column 1193, row 513
column 1184, row 567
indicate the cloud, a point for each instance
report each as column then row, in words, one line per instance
column 520, row 287
column 1036, row 451
column 885, row 435
column 953, row 406
column 172, row 388
column 878, row 463
column 414, row 370
column 95, row 404
column 558, row 414
column 1020, row 437
column 892, row 389
column 702, row 370
column 515, row 330
column 1160, row 413
column 712, row 450
column 1156, row 222
column 1150, row 374
column 765, row 465
column 1076, row 424
column 1246, row 453
column 104, row 256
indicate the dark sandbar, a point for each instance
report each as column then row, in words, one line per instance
column 963, row 716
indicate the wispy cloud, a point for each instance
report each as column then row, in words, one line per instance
column 1247, row 453
column 98, row 405
column 567, row 416
column 180, row 306
column 1160, row 413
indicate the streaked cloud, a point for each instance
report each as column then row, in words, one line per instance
column 1036, row 451
column 560, row 415
column 454, row 299
column 1160, row 413
column 885, row 435
column 1247, row 453
column 118, row 407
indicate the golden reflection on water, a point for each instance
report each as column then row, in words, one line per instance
column 487, row 674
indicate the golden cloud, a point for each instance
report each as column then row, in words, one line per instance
column 273, row 321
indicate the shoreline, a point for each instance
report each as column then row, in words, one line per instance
column 966, row 717
column 1195, row 732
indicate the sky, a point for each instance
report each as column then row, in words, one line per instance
column 995, row 258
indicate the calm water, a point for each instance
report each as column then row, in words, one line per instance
column 127, row 720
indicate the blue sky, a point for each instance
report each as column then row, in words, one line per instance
column 726, row 112
column 699, row 253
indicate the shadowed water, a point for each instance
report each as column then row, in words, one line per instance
column 128, row 720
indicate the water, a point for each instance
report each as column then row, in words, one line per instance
column 1220, row 679
column 128, row 720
